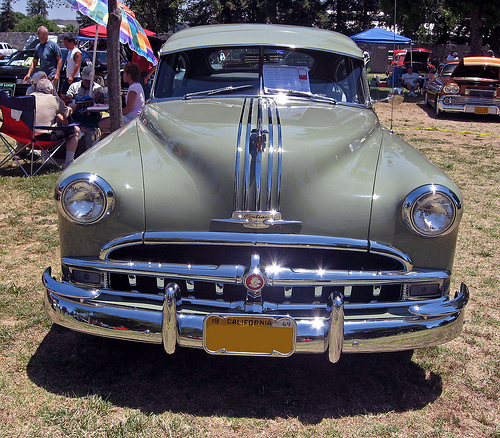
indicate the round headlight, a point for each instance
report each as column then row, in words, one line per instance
column 451, row 89
column 431, row 210
column 85, row 198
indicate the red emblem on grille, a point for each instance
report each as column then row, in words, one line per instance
column 254, row 282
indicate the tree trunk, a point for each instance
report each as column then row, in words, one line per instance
column 114, row 82
column 476, row 40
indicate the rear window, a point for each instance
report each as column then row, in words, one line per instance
column 477, row 71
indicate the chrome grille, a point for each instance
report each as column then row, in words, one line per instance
column 471, row 100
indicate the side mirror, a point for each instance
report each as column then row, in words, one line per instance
column 395, row 96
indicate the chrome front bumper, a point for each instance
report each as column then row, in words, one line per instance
column 333, row 327
column 467, row 108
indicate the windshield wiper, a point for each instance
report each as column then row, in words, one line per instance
column 306, row 94
column 222, row 90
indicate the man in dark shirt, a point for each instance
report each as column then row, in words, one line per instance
column 49, row 54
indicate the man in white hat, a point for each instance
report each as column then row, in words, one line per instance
column 81, row 89
column 34, row 81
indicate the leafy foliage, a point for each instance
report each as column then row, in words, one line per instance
column 7, row 16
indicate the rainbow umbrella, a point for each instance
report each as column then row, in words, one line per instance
column 131, row 32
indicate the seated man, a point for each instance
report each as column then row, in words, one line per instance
column 411, row 80
column 51, row 111
column 81, row 89
column 34, row 81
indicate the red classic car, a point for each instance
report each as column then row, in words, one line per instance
column 472, row 86
column 418, row 58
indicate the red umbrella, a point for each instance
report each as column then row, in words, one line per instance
column 89, row 31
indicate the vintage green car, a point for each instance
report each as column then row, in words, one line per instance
column 258, row 207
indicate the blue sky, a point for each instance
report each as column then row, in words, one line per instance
column 54, row 13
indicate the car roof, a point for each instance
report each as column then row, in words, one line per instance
column 261, row 34
column 481, row 60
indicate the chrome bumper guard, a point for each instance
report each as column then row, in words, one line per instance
column 402, row 325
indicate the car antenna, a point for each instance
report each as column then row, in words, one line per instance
column 393, row 69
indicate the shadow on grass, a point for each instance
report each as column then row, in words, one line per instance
column 144, row 377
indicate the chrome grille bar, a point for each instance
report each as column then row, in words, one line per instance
column 238, row 153
column 258, row 157
column 280, row 159
column 246, row 189
column 270, row 157
column 285, row 277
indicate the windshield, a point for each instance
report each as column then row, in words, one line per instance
column 22, row 58
column 251, row 71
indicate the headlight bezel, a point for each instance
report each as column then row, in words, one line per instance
column 419, row 195
column 95, row 182
column 451, row 88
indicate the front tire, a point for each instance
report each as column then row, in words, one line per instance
column 437, row 111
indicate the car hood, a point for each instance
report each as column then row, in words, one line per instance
column 190, row 149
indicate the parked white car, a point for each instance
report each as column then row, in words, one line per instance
column 6, row 50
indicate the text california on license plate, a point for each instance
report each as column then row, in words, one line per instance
column 481, row 110
column 249, row 334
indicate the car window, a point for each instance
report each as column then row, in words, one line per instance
column 477, row 71
column 261, row 69
column 23, row 58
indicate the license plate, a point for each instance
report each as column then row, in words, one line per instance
column 8, row 87
column 248, row 334
column 481, row 110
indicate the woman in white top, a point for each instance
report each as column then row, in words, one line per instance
column 135, row 96
column 73, row 62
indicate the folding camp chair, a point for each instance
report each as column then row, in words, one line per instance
column 18, row 122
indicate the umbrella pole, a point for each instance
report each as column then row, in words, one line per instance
column 94, row 57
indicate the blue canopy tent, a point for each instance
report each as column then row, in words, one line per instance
column 380, row 41
column 380, row 36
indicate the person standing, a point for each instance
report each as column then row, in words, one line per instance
column 73, row 62
column 49, row 54
column 147, row 69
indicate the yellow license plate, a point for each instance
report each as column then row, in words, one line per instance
column 248, row 334
column 481, row 110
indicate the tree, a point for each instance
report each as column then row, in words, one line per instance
column 157, row 15
column 114, row 86
column 31, row 24
column 7, row 16
column 481, row 14
column 37, row 7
